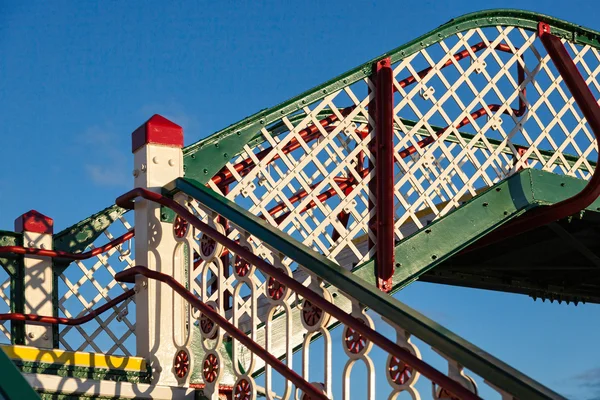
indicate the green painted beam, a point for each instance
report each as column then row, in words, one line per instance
column 472, row 357
column 12, row 384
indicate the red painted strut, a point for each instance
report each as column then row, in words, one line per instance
column 39, row 319
column 127, row 201
column 63, row 254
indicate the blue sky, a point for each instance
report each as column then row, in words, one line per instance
column 78, row 77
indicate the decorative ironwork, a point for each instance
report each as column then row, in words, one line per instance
column 210, row 369
column 181, row 364
column 180, row 227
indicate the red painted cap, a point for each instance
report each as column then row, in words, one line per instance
column 33, row 221
column 157, row 130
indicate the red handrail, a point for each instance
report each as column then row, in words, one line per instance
column 63, row 254
column 127, row 201
column 40, row 319
column 129, row 276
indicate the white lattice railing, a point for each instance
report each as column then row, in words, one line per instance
column 5, row 333
column 85, row 285
column 340, row 362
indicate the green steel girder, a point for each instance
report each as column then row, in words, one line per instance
column 468, row 355
column 14, row 267
column 427, row 248
column 12, row 384
column 208, row 157
column 77, row 237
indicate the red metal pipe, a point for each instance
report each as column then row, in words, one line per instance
column 39, row 319
column 384, row 165
column 69, row 256
column 591, row 111
column 127, row 201
column 129, row 276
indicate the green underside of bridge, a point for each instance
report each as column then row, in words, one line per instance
column 559, row 261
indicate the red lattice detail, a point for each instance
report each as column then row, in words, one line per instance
column 207, row 325
column 354, row 341
column 311, row 314
column 181, row 364
column 400, row 373
column 207, row 245
column 180, row 227
column 275, row 290
column 210, row 369
column 243, row 390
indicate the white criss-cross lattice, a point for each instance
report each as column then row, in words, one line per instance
column 4, row 305
column 85, row 285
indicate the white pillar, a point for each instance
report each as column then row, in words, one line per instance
column 158, row 160
column 38, row 281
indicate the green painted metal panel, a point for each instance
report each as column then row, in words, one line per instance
column 12, row 384
column 485, row 365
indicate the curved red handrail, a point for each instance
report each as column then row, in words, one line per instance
column 65, row 255
column 129, row 276
column 127, row 201
column 40, row 319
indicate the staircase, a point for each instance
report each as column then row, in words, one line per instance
column 465, row 157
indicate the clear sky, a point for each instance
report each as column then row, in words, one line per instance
column 76, row 78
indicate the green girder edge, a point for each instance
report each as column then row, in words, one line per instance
column 485, row 365
column 77, row 237
column 13, row 265
column 444, row 237
column 13, row 385
column 231, row 140
column 72, row 371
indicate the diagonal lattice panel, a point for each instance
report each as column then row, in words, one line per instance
column 4, row 305
column 87, row 284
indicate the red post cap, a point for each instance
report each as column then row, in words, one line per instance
column 157, row 130
column 33, row 221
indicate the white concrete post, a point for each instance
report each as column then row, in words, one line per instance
column 38, row 281
column 158, row 160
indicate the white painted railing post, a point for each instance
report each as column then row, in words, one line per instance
column 38, row 281
column 158, row 160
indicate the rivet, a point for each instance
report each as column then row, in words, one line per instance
column 144, row 284
column 31, row 244
column 238, row 133
column 45, row 336
column 31, row 335
column 205, row 171
column 434, row 257
column 225, row 155
column 485, row 204
column 136, row 173
column 216, row 145
column 42, row 246
column 171, row 163
column 155, row 160
column 144, row 168
column 562, row 184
